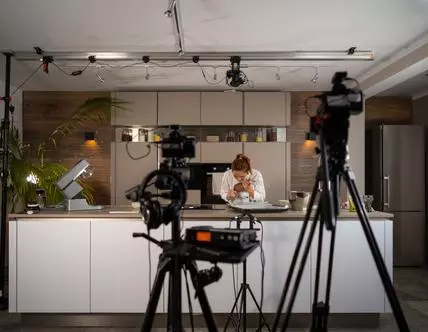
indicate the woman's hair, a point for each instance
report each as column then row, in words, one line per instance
column 241, row 163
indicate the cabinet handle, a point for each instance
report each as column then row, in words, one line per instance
column 386, row 180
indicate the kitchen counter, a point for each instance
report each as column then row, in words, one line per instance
column 219, row 212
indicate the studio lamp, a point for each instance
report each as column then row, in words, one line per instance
column 71, row 190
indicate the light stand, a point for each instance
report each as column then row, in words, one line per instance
column 245, row 287
column 333, row 166
column 4, row 180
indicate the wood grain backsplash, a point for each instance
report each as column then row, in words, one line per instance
column 43, row 111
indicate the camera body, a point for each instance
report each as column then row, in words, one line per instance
column 333, row 115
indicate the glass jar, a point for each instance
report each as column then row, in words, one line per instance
column 126, row 135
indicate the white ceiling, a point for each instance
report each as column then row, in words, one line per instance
column 415, row 87
column 384, row 26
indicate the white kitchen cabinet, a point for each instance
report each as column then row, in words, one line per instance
column 126, row 172
column 183, row 108
column 220, row 152
column 267, row 108
column 120, row 266
column 356, row 285
column 140, row 109
column 272, row 159
column 279, row 242
column 220, row 108
column 52, row 265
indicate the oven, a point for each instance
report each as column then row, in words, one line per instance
column 211, row 175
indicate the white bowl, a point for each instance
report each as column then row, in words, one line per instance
column 284, row 202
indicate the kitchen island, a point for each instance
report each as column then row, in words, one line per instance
column 88, row 262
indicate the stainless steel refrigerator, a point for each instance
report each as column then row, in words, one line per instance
column 398, row 185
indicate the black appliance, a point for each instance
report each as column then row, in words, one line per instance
column 207, row 172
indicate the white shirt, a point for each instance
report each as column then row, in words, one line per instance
column 229, row 181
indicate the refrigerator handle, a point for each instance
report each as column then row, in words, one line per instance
column 386, row 202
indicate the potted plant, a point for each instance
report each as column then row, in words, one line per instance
column 28, row 168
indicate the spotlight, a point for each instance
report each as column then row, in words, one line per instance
column 171, row 5
column 46, row 61
column 235, row 77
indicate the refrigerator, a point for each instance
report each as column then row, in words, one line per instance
column 397, row 169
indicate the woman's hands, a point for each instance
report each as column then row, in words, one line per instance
column 248, row 186
column 231, row 195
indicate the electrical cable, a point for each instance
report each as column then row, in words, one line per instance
column 27, row 79
column 263, row 264
column 139, row 157
column 189, row 300
column 73, row 73
column 150, row 262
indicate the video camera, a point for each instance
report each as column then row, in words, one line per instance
column 332, row 118
column 169, row 180
column 176, row 150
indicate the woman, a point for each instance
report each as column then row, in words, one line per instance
column 242, row 181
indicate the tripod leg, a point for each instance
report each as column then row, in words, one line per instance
column 263, row 319
column 296, row 254
column 202, row 297
column 233, row 310
column 175, row 298
column 300, row 271
column 326, row 199
column 380, row 264
column 163, row 267
column 318, row 270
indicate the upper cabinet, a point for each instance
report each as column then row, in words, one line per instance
column 267, row 108
column 183, row 108
column 141, row 109
column 221, row 108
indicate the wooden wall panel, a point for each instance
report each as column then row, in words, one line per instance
column 44, row 111
column 388, row 110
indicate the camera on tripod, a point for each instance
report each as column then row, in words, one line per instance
column 332, row 116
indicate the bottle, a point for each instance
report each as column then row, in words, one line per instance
column 259, row 135
column 41, row 198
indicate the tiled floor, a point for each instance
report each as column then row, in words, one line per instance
column 411, row 285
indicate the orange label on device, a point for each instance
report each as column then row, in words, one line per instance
column 203, row 236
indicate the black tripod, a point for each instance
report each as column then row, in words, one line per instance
column 174, row 257
column 244, row 288
column 332, row 166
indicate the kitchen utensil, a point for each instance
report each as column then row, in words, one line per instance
column 298, row 200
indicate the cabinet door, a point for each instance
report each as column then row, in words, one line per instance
column 355, row 275
column 223, row 152
column 183, row 108
column 120, row 266
column 272, row 159
column 220, row 108
column 128, row 172
column 141, row 109
column 267, row 108
column 53, row 271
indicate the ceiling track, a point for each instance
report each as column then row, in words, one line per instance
column 203, row 56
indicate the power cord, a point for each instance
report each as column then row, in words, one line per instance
column 139, row 157
column 263, row 264
column 150, row 263
column 27, row 79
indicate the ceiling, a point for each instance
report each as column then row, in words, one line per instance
column 414, row 87
column 384, row 26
